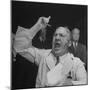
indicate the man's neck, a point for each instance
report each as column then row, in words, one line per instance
column 60, row 53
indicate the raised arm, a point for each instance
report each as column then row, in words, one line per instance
column 23, row 39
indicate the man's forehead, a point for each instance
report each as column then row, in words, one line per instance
column 61, row 30
column 76, row 30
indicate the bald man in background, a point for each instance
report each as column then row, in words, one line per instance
column 78, row 49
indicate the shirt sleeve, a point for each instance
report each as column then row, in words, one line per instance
column 32, row 54
column 23, row 44
column 23, row 39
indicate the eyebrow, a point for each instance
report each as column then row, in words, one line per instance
column 60, row 34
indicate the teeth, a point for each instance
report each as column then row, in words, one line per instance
column 57, row 45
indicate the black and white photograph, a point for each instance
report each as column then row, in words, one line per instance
column 48, row 45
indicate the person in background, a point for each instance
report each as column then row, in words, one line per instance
column 57, row 67
column 78, row 49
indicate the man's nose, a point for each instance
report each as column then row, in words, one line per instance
column 57, row 37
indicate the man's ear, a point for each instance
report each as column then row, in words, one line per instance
column 68, row 43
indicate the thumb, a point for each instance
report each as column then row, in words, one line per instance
column 47, row 19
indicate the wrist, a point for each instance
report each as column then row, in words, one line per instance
column 36, row 27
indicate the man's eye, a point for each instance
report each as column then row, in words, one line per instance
column 55, row 34
column 61, row 35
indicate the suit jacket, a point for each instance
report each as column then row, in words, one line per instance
column 79, row 51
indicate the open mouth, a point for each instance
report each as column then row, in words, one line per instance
column 57, row 45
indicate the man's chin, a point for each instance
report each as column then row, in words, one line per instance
column 57, row 53
column 57, row 50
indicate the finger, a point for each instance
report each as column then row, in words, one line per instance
column 49, row 17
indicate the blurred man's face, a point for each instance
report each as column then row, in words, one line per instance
column 75, row 34
column 60, row 40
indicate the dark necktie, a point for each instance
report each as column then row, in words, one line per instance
column 57, row 58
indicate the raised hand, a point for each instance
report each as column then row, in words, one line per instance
column 43, row 21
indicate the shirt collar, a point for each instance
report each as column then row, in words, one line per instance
column 50, row 59
column 74, row 43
